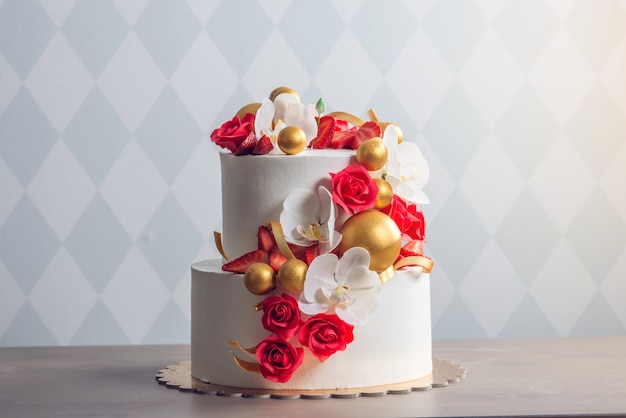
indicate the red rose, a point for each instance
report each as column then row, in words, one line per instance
column 325, row 334
column 410, row 221
column 278, row 359
column 281, row 315
column 353, row 189
column 234, row 132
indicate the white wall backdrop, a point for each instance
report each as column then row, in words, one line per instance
column 109, row 184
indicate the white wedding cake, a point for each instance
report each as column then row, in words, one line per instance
column 322, row 284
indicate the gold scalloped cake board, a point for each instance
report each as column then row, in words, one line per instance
column 178, row 376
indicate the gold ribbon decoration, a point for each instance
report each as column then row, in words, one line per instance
column 279, row 236
column 217, row 236
column 249, row 350
column 245, row 365
column 415, row 260
column 355, row 120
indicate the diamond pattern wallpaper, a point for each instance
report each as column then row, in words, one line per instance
column 109, row 185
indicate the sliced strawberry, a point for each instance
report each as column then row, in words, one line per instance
column 298, row 251
column 342, row 139
column 241, row 264
column 411, row 248
column 312, row 252
column 266, row 241
column 263, row 146
column 325, row 131
column 366, row 131
column 247, row 145
column 341, row 125
column 276, row 259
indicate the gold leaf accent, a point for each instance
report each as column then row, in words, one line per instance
column 217, row 236
column 279, row 236
column 249, row 350
column 247, row 366
column 416, row 260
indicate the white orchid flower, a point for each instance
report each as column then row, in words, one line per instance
column 285, row 110
column 407, row 170
column 344, row 285
column 308, row 218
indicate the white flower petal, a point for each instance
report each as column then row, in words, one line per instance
column 352, row 258
column 326, row 205
column 282, row 102
column 347, row 315
column 312, row 308
column 299, row 115
column 264, row 119
column 320, row 274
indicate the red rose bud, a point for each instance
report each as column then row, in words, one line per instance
column 278, row 359
column 325, row 334
column 281, row 315
column 354, row 189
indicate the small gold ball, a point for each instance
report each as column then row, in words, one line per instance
column 385, row 193
column 259, row 278
column 281, row 90
column 291, row 275
column 372, row 154
column 249, row 108
column 377, row 233
column 291, row 140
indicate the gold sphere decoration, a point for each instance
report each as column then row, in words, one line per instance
column 281, row 90
column 372, row 154
column 259, row 278
column 385, row 193
column 291, row 140
column 377, row 233
column 249, row 108
column 291, row 275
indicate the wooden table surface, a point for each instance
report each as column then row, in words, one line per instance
column 533, row 377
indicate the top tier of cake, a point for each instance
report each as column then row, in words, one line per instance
column 254, row 188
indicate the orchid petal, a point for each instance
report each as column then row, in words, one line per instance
column 282, row 103
column 319, row 274
column 409, row 155
column 326, row 205
column 352, row 258
column 298, row 114
column 299, row 208
column 264, row 119
column 313, row 308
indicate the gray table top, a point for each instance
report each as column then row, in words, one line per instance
column 526, row 377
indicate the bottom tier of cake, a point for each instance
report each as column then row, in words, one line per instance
column 394, row 346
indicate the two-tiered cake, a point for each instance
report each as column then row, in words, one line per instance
column 323, row 284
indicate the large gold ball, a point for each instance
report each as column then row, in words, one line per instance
column 259, row 278
column 377, row 233
column 281, row 90
column 291, row 275
column 291, row 140
column 249, row 108
column 372, row 154
column 385, row 193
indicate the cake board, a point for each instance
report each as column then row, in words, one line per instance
column 178, row 376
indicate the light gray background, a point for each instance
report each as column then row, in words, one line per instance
column 110, row 186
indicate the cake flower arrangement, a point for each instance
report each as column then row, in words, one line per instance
column 322, row 265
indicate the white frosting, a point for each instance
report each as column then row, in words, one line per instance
column 255, row 186
column 394, row 346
